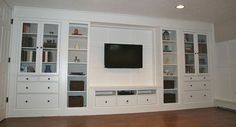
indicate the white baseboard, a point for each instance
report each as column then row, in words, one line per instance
column 225, row 104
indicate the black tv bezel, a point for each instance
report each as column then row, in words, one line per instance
column 129, row 67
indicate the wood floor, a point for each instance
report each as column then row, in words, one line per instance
column 208, row 117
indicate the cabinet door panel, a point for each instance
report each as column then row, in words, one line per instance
column 189, row 53
column 202, row 53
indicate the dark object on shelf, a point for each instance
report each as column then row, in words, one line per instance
column 76, row 101
column 166, row 35
column 26, row 28
column 50, row 44
column 202, row 48
column 77, row 73
column 76, row 85
column 126, row 92
column 169, row 84
column 166, row 49
column 27, row 42
column 30, row 69
column 48, row 69
column 169, row 98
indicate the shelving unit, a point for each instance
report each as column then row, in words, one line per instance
column 77, row 65
column 170, row 66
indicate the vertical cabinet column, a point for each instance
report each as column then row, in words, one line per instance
column 77, row 65
column 170, row 66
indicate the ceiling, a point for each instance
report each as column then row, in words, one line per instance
column 214, row 11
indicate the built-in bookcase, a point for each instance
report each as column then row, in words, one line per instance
column 170, row 67
column 77, row 65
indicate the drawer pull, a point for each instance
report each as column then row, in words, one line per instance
column 147, row 99
column 204, row 77
column 105, row 101
column 204, row 84
column 205, row 95
column 27, row 78
column 48, row 101
column 27, row 87
column 191, row 96
column 26, row 101
column 49, row 78
column 127, row 101
column 48, row 87
column 191, row 78
column 191, row 85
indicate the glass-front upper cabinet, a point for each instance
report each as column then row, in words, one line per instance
column 195, row 51
column 39, row 48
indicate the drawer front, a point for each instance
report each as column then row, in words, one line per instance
column 37, row 101
column 105, row 101
column 27, row 78
column 196, row 96
column 48, row 78
column 37, row 88
column 147, row 99
column 127, row 100
column 196, row 85
column 196, row 78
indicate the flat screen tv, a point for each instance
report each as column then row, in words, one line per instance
column 123, row 56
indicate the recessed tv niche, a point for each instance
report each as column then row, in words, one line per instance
column 123, row 56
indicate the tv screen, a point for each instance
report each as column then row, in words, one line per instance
column 123, row 56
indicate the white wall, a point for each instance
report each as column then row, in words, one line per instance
column 107, row 77
column 226, row 71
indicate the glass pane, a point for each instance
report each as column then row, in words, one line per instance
column 189, row 53
column 28, row 47
column 202, row 52
column 50, row 45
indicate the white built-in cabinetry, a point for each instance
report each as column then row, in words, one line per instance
column 196, row 81
column 37, row 80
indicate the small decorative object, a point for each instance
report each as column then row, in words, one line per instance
column 76, row 46
column 26, row 28
column 166, row 60
column 166, row 49
column 51, row 32
column 166, row 35
column 47, row 68
column 76, row 59
column 166, row 72
column 76, row 32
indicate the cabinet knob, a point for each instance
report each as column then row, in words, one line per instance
column 27, row 78
column 105, row 101
column 127, row 101
column 26, row 87
column 48, row 100
column 191, row 96
column 48, row 87
column 49, row 78
column 205, row 95
column 37, row 47
column 147, row 99
column 191, row 85
column 204, row 77
column 191, row 78
column 26, row 101
column 204, row 84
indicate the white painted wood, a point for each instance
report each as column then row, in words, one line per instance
column 24, row 87
column 196, row 86
column 128, row 100
column 32, row 101
column 5, row 31
column 197, row 96
column 147, row 99
column 105, row 101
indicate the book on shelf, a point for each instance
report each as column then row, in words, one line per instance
column 47, row 56
column 28, row 56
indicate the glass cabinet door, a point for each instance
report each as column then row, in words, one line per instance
column 29, row 47
column 189, row 53
column 49, row 49
column 202, row 53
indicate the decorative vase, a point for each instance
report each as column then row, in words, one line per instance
column 47, row 68
column 166, row 35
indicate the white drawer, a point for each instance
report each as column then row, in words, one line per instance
column 196, row 96
column 196, row 85
column 31, row 101
column 196, row 78
column 105, row 101
column 147, row 99
column 37, row 87
column 124, row 100
column 48, row 78
column 27, row 78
